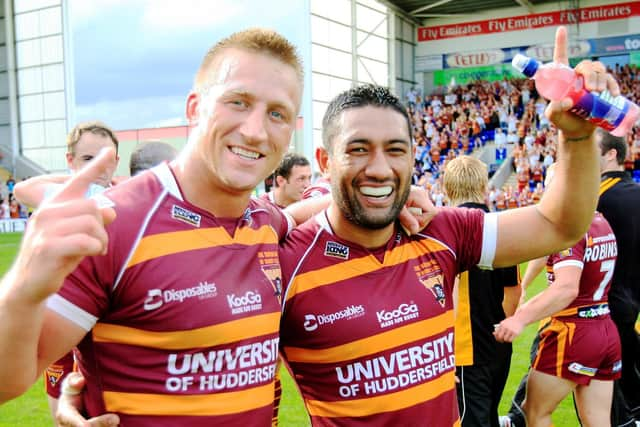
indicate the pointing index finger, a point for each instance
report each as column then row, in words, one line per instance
column 76, row 187
column 560, row 51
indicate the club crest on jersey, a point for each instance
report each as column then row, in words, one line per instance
column 336, row 250
column 274, row 275
column 270, row 266
column 434, row 284
column 185, row 215
column 54, row 374
column 566, row 253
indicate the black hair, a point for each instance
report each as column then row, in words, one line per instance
column 359, row 96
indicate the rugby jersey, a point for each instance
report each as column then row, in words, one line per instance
column 368, row 334
column 596, row 255
column 319, row 188
column 182, row 314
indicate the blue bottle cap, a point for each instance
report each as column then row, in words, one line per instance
column 524, row 64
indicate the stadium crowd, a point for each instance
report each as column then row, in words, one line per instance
column 463, row 119
column 10, row 207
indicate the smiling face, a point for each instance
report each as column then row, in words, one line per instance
column 370, row 164
column 244, row 118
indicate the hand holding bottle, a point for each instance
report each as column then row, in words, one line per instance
column 582, row 98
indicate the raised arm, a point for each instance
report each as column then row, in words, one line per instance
column 32, row 191
column 65, row 229
column 567, row 207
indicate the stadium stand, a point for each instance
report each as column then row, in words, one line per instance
column 503, row 124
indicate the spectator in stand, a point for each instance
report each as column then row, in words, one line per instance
column 5, row 212
column 512, row 138
column 500, row 138
column 291, row 178
column 14, row 208
column 10, row 184
column 512, row 123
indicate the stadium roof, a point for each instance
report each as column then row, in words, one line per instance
column 424, row 9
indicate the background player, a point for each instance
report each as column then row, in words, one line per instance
column 579, row 348
column 619, row 203
column 483, row 299
column 84, row 142
column 290, row 180
column 149, row 154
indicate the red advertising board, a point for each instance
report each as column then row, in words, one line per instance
column 527, row 22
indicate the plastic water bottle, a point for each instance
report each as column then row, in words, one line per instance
column 558, row 81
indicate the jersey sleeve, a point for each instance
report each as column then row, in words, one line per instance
column 572, row 256
column 84, row 296
column 469, row 233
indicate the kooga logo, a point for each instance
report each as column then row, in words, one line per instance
column 250, row 301
column 402, row 310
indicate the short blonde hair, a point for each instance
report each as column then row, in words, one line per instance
column 258, row 40
column 95, row 127
column 465, row 180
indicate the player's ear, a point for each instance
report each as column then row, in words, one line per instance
column 69, row 157
column 322, row 157
column 193, row 108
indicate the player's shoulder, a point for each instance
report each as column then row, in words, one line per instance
column 449, row 216
column 308, row 231
column 263, row 211
column 135, row 198
column 600, row 225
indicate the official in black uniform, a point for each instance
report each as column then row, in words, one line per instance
column 620, row 204
column 483, row 299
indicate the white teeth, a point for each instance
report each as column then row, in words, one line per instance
column 376, row 191
column 245, row 153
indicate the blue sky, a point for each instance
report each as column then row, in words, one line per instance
column 134, row 60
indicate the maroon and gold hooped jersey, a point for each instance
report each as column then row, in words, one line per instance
column 581, row 342
column 596, row 255
column 368, row 334
column 182, row 314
